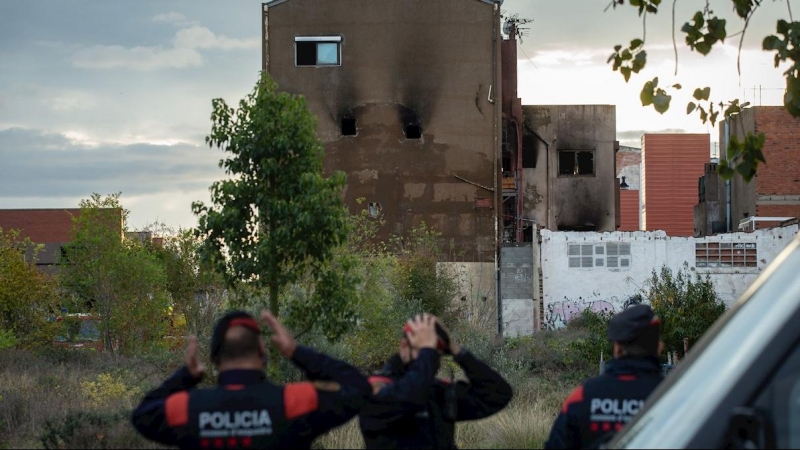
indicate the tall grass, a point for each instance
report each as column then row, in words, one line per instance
column 77, row 399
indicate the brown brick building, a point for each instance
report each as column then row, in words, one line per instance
column 773, row 195
column 408, row 101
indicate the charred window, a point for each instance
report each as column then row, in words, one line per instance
column 528, row 152
column 349, row 126
column 413, row 131
column 317, row 50
column 575, row 162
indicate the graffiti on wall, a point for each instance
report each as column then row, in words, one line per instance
column 560, row 312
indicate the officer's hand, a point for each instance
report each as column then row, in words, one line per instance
column 454, row 348
column 196, row 369
column 422, row 331
column 281, row 336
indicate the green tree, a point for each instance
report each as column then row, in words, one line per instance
column 196, row 290
column 277, row 217
column 420, row 277
column 705, row 30
column 686, row 304
column 119, row 279
column 27, row 297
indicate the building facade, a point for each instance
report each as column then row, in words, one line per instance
column 671, row 165
column 49, row 228
column 408, row 101
column 569, row 167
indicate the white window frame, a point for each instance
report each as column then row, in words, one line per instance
column 320, row 40
column 613, row 256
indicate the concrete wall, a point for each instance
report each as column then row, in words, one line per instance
column 475, row 300
column 571, row 201
column 520, row 313
column 431, row 63
column 568, row 290
column 711, row 212
column 743, row 194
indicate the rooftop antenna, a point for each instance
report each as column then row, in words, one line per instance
column 512, row 28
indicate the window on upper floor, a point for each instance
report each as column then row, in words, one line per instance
column 317, row 50
column 575, row 162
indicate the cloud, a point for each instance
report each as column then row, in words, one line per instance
column 202, row 37
column 182, row 53
column 137, row 58
column 41, row 164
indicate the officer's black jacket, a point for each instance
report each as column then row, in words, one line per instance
column 247, row 410
column 412, row 409
column 603, row 404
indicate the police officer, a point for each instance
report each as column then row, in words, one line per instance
column 410, row 408
column 602, row 405
column 245, row 409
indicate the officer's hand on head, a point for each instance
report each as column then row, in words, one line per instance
column 422, row 332
column 281, row 336
column 196, row 369
column 454, row 348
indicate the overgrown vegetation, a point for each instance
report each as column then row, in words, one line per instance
column 686, row 304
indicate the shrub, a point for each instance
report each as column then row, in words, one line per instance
column 108, row 390
column 686, row 304
column 595, row 343
column 92, row 429
column 7, row 339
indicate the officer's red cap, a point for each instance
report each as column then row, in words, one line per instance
column 231, row 319
column 631, row 323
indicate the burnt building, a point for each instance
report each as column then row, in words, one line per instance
column 772, row 197
column 408, row 101
column 569, row 167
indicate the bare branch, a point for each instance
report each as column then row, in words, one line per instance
column 789, row 5
column 674, row 44
column 741, row 41
column 644, row 27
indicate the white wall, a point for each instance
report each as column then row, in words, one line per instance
column 567, row 291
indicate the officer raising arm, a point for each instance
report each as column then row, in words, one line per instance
column 245, row 409
column 411, row 408
column 602, row 405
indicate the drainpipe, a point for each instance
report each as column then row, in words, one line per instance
column 547, row 173
column 498, row 189
column 727, row 182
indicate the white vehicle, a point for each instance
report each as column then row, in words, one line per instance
column 739, row 387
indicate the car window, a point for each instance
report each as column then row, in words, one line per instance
column 780, row 400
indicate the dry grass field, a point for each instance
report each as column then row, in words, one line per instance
column 79, row 399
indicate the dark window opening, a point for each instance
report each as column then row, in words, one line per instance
column 306, row 53
column 575, row 162
column 413, row 132
column 528, row 152
column 527, row 234
column 506, row 162
column 348, row 126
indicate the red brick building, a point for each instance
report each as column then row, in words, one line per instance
column 49, row 227
column 671, row 165
column 773, row 195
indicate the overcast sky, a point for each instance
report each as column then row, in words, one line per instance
column 100, row 96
